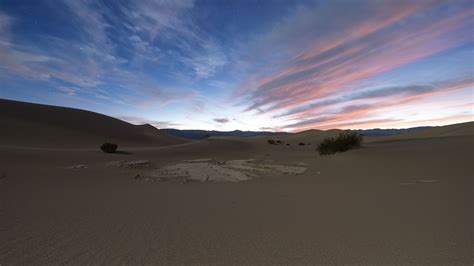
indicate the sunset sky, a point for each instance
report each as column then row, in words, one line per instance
column 242, row 64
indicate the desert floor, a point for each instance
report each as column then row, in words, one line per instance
column 397, row 202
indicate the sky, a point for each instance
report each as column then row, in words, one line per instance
column 245, row 64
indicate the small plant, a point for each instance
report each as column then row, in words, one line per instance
column 287, row 144
column 345, row 141
column 109, row 147
column 301, row 144
column 274, row 142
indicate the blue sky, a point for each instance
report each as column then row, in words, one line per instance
column 249, row 65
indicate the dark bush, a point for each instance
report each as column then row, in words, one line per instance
column 301, row 144
column 345, row 141
column 271, row 141
column 274, row 142
column 109, row 147
column 287, row 144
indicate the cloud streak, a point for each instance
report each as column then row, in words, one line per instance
column 323, row 115
column 332, row 61
column 333, row 70
column 141, row 121
column 286, row 65
column 221, row 120
column 91, row 59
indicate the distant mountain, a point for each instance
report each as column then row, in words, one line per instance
column 388, row 132
column 203, row 134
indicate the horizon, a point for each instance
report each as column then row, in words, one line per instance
column 286, row 67
column 224, row 131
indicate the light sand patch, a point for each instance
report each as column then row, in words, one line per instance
column 208, row 170
column 301, row 164
column 198, row 160
column 77, row 167
column 132, row 164
column 426, row 181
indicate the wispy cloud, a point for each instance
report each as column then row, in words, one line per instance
column 158, row 18
column 329, row 63
column 306, row 64
column 221, row 120
column 68, row 90
column 325, row 115
column 155, row 95
column 400, row 93
column 141, row 121
column 206, row 61
column 334, row 70
column 91, row 59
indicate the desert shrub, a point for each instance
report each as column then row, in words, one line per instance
column 109, row 147
column 287, row 144
column 274, row 142
column 301, row 144
column 345, row 141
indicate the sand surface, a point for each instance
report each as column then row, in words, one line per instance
column 391, row 202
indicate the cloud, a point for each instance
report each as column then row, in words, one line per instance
column 170, row 22
column 162, row 96
column 308, row 64
column 199, row 106
column 158, row 18
column 221, row 120
column 272, row 129
column 90, row 58
column 68, row 90
column 206, row 61
column 141, row 121
column 327, row 114
column 338, row 59
column 5, row 23
column 403, row 93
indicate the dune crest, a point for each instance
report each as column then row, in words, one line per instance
column 38, row 125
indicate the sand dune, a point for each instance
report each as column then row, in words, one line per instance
column 316, row 136
column 313, row 137
column 40, row 125
column 462, row 129
column 390, row 202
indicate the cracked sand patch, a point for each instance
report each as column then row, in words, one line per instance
column 208, row 170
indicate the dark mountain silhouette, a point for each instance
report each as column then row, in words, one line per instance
column 203, row 134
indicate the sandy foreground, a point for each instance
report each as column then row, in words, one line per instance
column 372, row 205
column 163, row 200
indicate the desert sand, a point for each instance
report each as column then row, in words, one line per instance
column 403, row 199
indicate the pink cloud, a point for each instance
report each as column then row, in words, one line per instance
column 350, row 115
column 376, row 47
